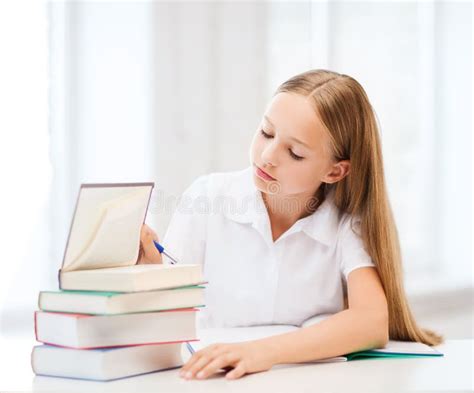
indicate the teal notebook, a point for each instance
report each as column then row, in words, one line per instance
column 396, row 349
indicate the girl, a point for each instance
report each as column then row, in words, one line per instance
column 305, row 231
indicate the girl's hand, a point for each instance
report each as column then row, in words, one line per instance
column 244, row 358
column 148, row 252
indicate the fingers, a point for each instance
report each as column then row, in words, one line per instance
column 208, row 363
column 151, row 254
column 210, row 350
column 215, row 365
column 195, row 358
column 147, row 231
column 200, row 363
column 237, row 372
column 148, row 252
column 237, row 359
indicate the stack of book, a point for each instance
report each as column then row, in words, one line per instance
column 112, row 318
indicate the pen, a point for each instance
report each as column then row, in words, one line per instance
column 161, row 249
column 190, row 348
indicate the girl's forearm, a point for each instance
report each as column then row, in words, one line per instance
column 347, row 331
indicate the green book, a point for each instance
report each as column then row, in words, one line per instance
column 396, row 349
column 113, row 303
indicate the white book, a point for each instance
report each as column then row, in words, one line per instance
column 208, row 336
column 100, row 331
column 104, row 241
column 104, row 364
column 111, row 303
column 133, row 278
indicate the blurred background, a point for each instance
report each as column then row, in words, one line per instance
column 167, row 91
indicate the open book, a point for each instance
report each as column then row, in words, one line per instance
column 104, row 241
column 208, row 336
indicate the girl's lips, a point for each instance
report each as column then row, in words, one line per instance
column 263, row 174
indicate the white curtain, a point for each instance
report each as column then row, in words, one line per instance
column 25, row 170
column 415, row 61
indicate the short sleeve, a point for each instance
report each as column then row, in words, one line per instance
column 185, row 237
column 351, row 248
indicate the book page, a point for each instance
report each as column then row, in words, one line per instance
column 316, row 319
column 106, row 228
column 406, row 347
column 210, row 336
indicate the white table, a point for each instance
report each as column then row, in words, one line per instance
column 452, row 372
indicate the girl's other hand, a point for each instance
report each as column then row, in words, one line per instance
column 236, row 359
column 148, row 252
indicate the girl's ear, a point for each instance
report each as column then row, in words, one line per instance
column 338, row 171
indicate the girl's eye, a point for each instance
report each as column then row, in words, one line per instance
column 293, row 155
column 296, row 157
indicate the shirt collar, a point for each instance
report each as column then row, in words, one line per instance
column 323, row 224
column 247, row 206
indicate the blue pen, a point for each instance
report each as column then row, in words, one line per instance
column 190, row 348
column 161, row 249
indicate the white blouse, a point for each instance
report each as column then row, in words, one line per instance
column 222, row 223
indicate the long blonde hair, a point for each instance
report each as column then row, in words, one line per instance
column 344, row 108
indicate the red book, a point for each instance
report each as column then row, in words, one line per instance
column 84, row 331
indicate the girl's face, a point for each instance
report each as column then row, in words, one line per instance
column 292, row 147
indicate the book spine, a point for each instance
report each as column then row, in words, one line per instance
column 123, row 346
column 59, row 279
column 32, row 363
column 36, row 326
column 181, row 309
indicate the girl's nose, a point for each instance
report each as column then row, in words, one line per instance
column 270, row 154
